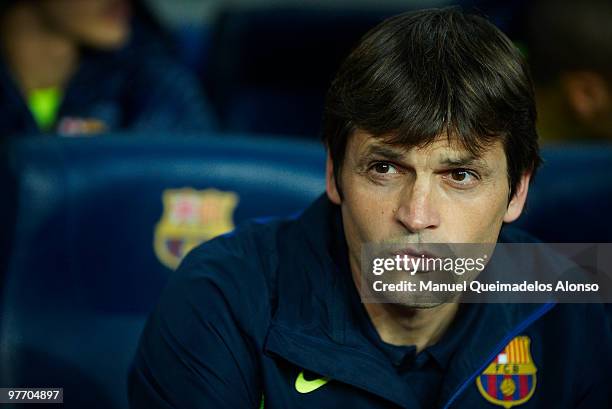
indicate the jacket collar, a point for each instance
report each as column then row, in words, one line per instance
column 315, row 328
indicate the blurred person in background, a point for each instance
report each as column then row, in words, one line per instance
column 570, row 50
column 90, row 66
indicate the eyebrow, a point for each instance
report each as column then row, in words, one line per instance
column 384, row 151
column 397, row 154
column 463, row 161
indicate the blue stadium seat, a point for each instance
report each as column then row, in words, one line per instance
column 571, row 197
column 88, row 242
column 269, row 68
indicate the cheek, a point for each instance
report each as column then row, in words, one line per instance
column 368, row 214
column 477, row 220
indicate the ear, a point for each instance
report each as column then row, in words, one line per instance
column 517, row 202
column 587, row 93
column 330, row 182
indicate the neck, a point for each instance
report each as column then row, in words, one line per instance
column 398, row 324
column 37, row 55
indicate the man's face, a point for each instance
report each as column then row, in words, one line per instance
column 102, row 24
column 437, row 194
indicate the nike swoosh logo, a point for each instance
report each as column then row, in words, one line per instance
column 304, row 386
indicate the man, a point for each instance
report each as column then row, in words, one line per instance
column 570, row 45
column 81, row 67
column 430, row 130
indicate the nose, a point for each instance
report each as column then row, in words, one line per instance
column 417, row 211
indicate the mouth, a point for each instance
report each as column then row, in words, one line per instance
column 410, row 252
column 419, row 259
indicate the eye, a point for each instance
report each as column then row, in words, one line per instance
column 463, row 177
column 384, row 168
column 460, row 175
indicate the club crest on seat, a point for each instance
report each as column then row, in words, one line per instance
column 191, row 217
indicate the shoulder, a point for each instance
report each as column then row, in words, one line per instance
column 205, row 336
column 230, row 275
column 579, row 333
column 579, row 323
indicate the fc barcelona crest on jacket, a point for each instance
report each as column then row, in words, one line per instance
column 509, row 380
column 191, row 217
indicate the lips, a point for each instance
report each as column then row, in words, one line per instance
column 414, row 253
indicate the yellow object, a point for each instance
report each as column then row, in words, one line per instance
column 44, row 105
column 508, row 387
column 304, row 386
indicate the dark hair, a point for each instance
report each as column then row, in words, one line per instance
column 423, row 74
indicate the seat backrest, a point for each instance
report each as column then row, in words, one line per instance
column 94, row 228
column 571, row 197
column 269, row 68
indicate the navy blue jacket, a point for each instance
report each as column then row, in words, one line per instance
column 138, row 88
column 269, row 311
